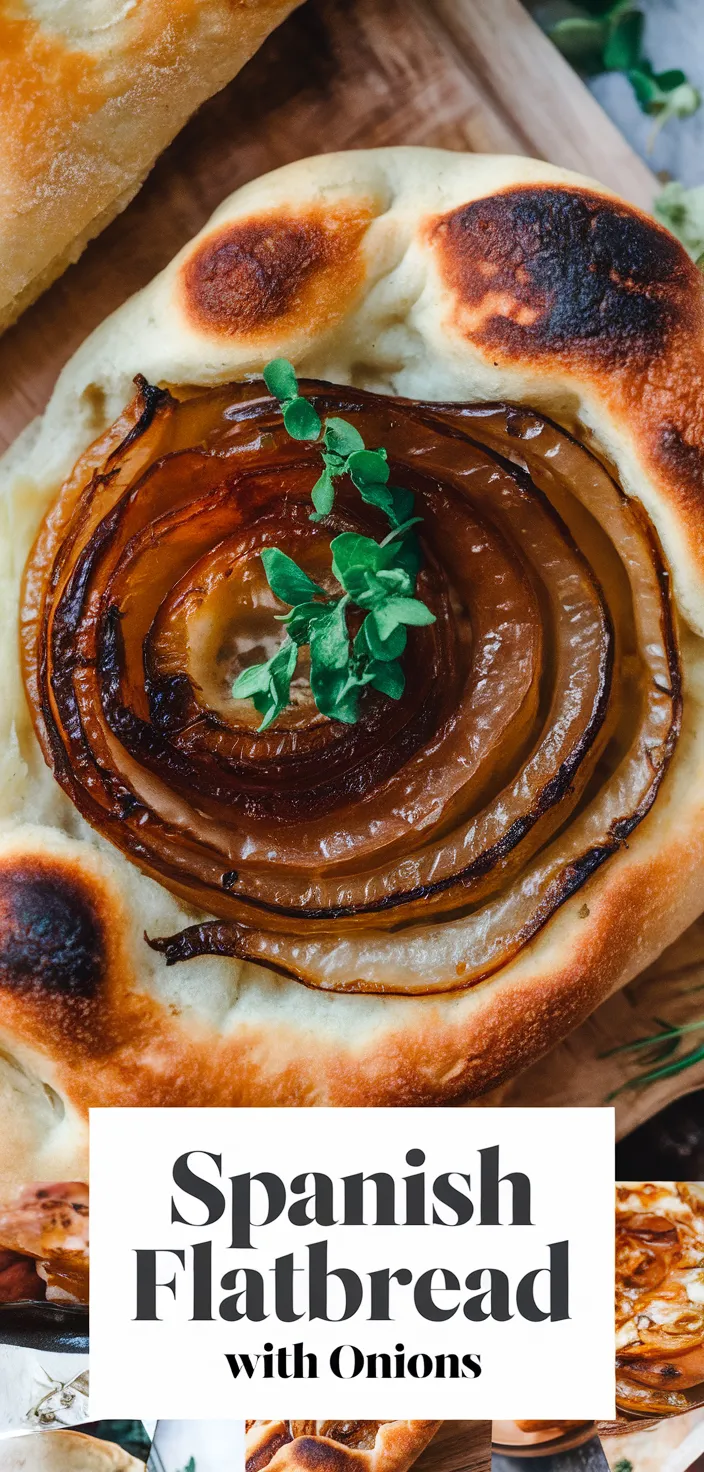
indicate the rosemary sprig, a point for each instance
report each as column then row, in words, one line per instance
column 662, row 1046
column 376, row 577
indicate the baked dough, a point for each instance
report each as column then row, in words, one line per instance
column 91, row 91
column 441, row 277
column 64, row 1451
column 338, row 1446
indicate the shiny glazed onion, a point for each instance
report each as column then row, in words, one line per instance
column 659, row 1298
column 538, row 718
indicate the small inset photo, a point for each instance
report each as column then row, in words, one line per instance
column 659, row 1344
column 659, row 1298
column 127, row 1446
column 100, row 1446
column 367, row 1446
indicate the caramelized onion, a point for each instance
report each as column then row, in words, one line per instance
column 358, row 1434
column 659, row 1318
column 539, row 715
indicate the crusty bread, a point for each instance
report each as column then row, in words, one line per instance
column 64, row 1451
column 91, row 91
column 585, row 309
column 335, row 1446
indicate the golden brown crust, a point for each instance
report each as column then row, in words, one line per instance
column 222, row 1032
column 341, row 1446
column 64, row 1451
column 294, row 269
column 88, row 98
column 598, row 292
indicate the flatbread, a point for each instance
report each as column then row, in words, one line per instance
column 443, row 278
column 64, row 1451
column 340, row 1446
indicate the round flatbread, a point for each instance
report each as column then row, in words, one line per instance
column 440, row 279
column 336, row 1446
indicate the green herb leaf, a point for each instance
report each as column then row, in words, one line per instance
column 607, row 35
column 403, row 500
column 330, row 662
column 682, row 210
column 352, row 550
column 286, row 579
column 301, row 618
column 301, row 420
column 368, row 468
column 369, row 644
column 389, row 679
column 379, row 577
column 280, row 378
column 624, row 46
column 401, row 611
column 322, row 496
column 329, row 643
column 394, row 580
column 269, row 685
column 251, row 681
column 342, row 439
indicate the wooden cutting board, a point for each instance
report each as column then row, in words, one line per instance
column 459, row 1446
column 476, row 75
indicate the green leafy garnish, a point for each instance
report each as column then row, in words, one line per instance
column 607, row 36
column 682, row 210
column 623, row 1465
column 662, row 1054
column 377, row 577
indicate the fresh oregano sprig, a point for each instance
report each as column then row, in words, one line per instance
column 607, row 36
column 377, row 577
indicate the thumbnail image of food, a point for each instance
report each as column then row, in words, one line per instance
column 44, row 1244
column 368, row 1446
column 540, row 1438
column 388, row 1446
column 65, row 1451
column 659, row 1297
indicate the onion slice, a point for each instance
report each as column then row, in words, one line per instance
column 419, row 849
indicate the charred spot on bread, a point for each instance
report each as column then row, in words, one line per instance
column 51, row 937
column 285, row 268
column 544, row 270
column 313, row 1452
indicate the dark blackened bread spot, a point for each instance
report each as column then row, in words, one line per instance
column 51, row 939
column 539, row 270
column 314, row 1452
column 280, row 269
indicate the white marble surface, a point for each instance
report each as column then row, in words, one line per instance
column 674, row 37
column 41, row 1390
